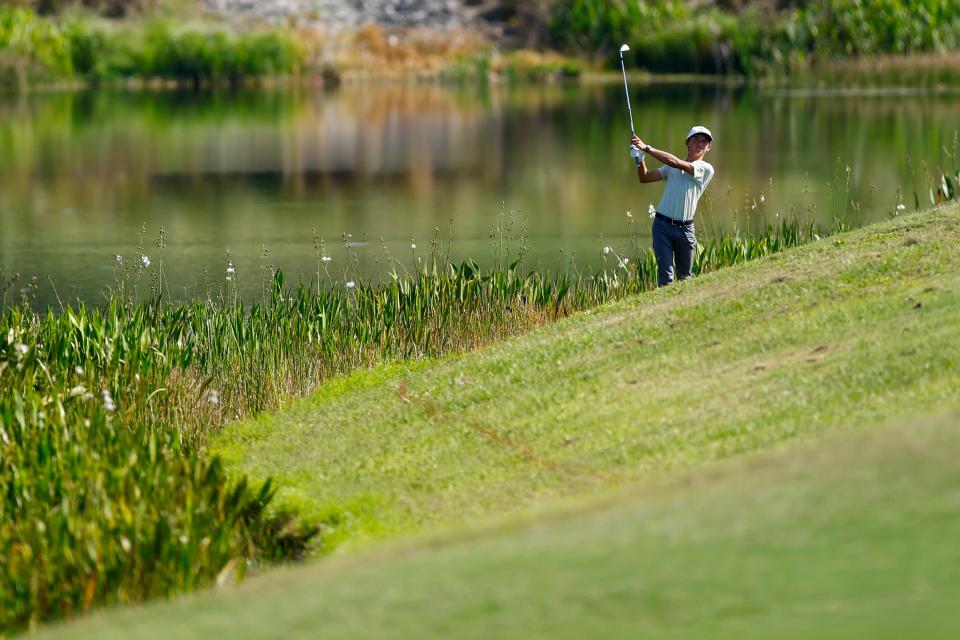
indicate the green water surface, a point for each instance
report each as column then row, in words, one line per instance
column 255, row 172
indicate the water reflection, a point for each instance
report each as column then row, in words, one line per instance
column 83, row 172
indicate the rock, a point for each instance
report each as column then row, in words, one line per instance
column 348, row 13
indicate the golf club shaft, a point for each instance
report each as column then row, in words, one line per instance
column 626, row 88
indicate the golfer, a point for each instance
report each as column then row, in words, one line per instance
column 674, row 238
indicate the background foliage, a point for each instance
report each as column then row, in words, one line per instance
column 82, row 46
column 670, row 35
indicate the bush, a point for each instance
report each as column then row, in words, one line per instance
column 205, row 54
column 80, row 45
column 29, row 42
column 671, row 36
column 101, row 498
column 869, row 27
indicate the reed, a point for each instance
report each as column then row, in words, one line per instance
column 81, row 47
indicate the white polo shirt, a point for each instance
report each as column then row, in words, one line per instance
column 683, row 190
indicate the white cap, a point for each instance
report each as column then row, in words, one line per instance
column 700, row 129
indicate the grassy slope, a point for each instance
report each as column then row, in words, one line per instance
column 854, row 536
column 824, row 338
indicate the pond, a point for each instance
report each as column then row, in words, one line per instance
column 256, row 173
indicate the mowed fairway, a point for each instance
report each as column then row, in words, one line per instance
column 841, row 356
column 855, row 538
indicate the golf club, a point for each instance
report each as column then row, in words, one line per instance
column 623, row 66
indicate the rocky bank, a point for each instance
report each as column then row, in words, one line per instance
column 352, row 13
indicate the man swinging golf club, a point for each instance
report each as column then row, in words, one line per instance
column 674, row 236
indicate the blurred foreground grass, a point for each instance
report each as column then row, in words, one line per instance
column 850, row 538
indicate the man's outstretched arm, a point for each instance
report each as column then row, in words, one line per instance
column 644, row 174
column 665, row 157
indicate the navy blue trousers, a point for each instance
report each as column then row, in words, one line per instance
column 673, row 245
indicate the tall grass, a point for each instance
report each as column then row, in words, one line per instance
column 105, row 495
column 672, row 36
column 79, row 46
column 103, row 500
column 946, row 186
column 30, row 47
column 927, row 70
column 516, row 66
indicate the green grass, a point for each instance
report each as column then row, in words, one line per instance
column 79, row 46
column 852, row 537
column 753, row 39
column 834, row 335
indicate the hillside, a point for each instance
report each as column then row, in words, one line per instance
column 838, row 334
column 767, row 451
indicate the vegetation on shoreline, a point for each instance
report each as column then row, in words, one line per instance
column 803, row 44
column 670, row 36
column 81, row 47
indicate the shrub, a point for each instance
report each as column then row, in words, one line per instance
column 80, row 45
column 668, row 35
column 31, row 43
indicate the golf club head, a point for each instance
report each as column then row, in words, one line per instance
column 624, row 49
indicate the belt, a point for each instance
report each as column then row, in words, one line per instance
column 676, row 223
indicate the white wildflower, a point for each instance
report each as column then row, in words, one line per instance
column 108, row 404
column 78, row 370
column 118, row 257
column 413, row 246
column 213, row 397
column 145, row 260
column 901, row 207
column 762, row 198
column 606, row 250
column 652, row 211
column 21, row 349
column 231, row 268
column 326, row 258
column 351, row 284
column 629, row 213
